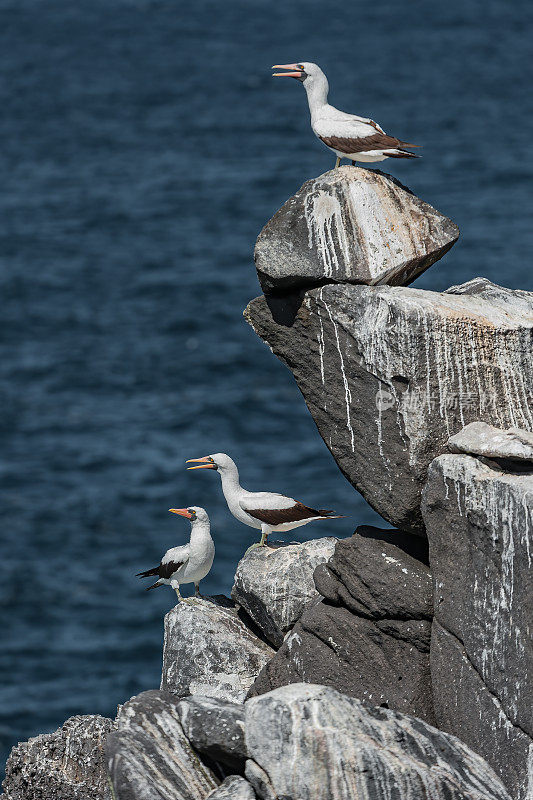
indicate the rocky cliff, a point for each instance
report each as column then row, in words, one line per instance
column 397, row 663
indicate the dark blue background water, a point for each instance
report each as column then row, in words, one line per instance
column 143, row 146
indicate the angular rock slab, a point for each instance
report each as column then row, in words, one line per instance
column 215, row 728
column 371, row 637
column 481, row 439
column 480, row 527
column 208, row 650
column 274, row 585
column 309, row 742
column 390, row 373
column 233, row 788
column 351, row 225
column 68, row 764
column 149, row 756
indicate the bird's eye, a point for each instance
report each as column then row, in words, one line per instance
column 300, row 66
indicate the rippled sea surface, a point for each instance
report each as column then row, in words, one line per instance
column 144, row 145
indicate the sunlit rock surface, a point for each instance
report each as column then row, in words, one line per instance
column 351, row 225
column 370, row 637
column 308, row 742
column 481, row 439
column 150, row 758
column 274, row 585
column 208, row 650
column 480, row 527
column 68, row 764
column 233, row 788
column 390, row 373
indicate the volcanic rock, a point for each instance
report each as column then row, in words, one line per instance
column 215, row 728
column 390, row 373
column 309, row 742
column 233, row 788
column 480, row 527
column 68, row 764
column 274, row 585
column 209, row 650
column 370, row 637
column 351, row 225
column 481, row 439
column 149, row 756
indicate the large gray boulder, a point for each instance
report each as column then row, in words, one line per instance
column 308, row 742
column 274, row 585
column 149, row 756
column 480, row 527
column 390, row 373
column 215, row 728
column 68, row 764
column 370, row 637
column 351, row 225
column 482, row 439
column 209, row 650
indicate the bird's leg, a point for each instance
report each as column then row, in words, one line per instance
column 264, row 539
column 197, row 590
column 177, row 590
column 337, row 162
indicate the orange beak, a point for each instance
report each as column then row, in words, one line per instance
column 291, row 74
column 203, row 463
column 183, row 512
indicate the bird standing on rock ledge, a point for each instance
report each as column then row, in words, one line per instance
column 268, row 511
column 189, row 563
column 346, row 135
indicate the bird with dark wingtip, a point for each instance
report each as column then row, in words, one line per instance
column 267, row 511
column 346, row 135
column 189, row 563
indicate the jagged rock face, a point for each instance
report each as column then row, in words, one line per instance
column 390, row 373
column 215, row 728
column 149, row 756
column 371, row 637
column 274, row 585
column 309, row 742
column 208, row 650
column 233, row 788
column 68, row 764
column 351, row 225
column 480, row 528
column 481, row 439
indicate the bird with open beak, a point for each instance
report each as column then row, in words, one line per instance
column 189, row 563
column 346, row 135
column 266, row 511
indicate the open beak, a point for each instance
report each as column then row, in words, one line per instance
column 291, row 74
column 203, row 463
column 183, row 512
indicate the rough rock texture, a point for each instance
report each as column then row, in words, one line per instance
column 68, row 764
column 351, row 225
column 370, row 638
column 233, row 788
column 480, row 528
column 310, row 742
column 481, row 439
column 275, row 585
column 390, row 373
column 149, row 757
column 215, row 728
column 209, row 650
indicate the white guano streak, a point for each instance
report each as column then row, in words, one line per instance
column 326, row 231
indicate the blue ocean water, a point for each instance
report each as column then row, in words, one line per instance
column 144, row 145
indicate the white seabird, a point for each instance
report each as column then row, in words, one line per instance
column 267, row 511
column 190, row 562
column 346, row 135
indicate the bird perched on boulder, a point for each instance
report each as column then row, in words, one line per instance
column 267, row 511
column 190, row 562
column 346, row 135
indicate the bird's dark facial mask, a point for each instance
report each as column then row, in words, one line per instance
column 202, row 463
column 295, row 71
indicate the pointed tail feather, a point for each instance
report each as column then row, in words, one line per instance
column 323, row 512
column 148, row 573
column 154, row 585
